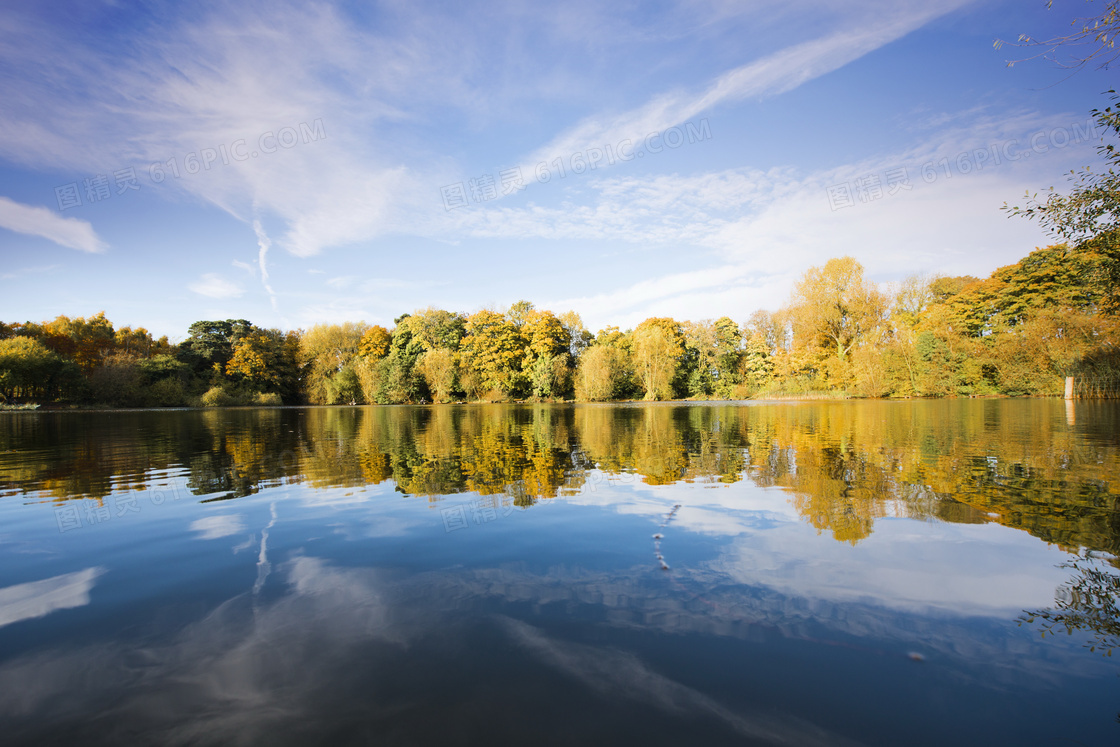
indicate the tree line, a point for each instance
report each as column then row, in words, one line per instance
column 1019, row 331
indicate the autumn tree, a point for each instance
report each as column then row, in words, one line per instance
column 328, row 353
column 209, row 344
column 139, row 342
column 493, row 348
column 84, row 340
column 375, row 342
column 438, row 367
column 657, row 352
column 546, row 359
column 599, row 374
column 834, row 309
column 31, row 371
column 254, row 362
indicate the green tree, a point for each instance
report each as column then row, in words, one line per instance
column 757, row 363
column 435, row 328
column 209, row 344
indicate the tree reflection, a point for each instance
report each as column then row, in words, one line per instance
column 1087, row 603
column 845, row 465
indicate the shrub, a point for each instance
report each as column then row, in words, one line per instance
column 167, row 393
column 217, row 396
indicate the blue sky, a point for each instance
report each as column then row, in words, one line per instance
column 296, row 163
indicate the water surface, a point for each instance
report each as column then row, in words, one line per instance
column 823, row 573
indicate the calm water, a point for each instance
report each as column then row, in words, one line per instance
column 837, row 573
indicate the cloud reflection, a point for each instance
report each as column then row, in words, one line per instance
column 618, row 674
column 40, row 598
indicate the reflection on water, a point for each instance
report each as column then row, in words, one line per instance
column 825, row 573
column 1018, row 463
column 1089, row 602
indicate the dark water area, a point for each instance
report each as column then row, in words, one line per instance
column 825, row 573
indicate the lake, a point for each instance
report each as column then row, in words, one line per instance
column 824, row 573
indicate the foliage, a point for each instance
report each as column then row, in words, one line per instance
column 603, row 374
column 1097, row 35
column 1089, row 214
column 30, row 371
column 375, row 342
column 658, row 349
column 327, row 356
column 834, row 308
column 1089, row 602
column 438, row 367
column 209, row 344
column 1018, row 332
column 494, row 349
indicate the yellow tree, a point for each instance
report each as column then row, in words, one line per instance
column 834, row 308
column 254, row 361
column 29, row 369
column 657, row 349
column 87, row 341
column 328, row 353
column 546, row 358
column 493, row 348
column 375, row 342
column 438, row 366
column 139, row 342
column 601, row 373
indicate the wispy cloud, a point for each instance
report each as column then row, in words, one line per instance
column 750, row 233
column 40, row 221
column 28, row 271
column 263, row 245
column 772, row 75
column 225, row 74
column 213, row 285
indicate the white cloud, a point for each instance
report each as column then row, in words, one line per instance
column 748, row 234
column 215, row 286
column 40, row 221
